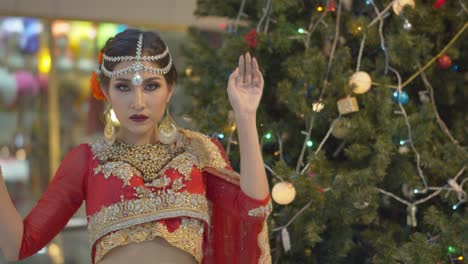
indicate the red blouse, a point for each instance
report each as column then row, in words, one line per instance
column 193, row 201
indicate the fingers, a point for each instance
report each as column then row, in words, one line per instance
column 257, row 75
column 234, row 77
column 241, row 67
column 248, row 68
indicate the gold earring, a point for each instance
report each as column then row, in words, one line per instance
column 167, row 129
column 110, row 132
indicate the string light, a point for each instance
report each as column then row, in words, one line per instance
column 407, row 25
column 403, row 142
column 455, row 206
column 301, row 31
column 268, row 135
column 221, row 136
column 188, row 71
column 310, row 143
column 320, row 8
column 451, row 249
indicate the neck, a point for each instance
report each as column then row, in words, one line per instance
column 151, row 137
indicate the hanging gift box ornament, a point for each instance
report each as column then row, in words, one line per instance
column 347, row 105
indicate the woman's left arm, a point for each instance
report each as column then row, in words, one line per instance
column 245, row 88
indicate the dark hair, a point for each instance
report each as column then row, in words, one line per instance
column 124, row 44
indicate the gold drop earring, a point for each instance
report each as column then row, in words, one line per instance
column 111, row 124
column 167, row 129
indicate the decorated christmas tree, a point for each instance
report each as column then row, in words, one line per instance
column 363, row 122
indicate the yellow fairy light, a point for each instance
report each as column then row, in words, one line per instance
column 320, row 8
column 188, row 71
column 460, row 258
column 276, row 153
column 359, row 28
column 44, row 63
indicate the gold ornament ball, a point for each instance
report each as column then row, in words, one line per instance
column 361, row 81
column 398, row 5
column 283, row 193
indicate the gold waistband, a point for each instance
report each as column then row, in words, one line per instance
column 157, row 206
column 188, row 237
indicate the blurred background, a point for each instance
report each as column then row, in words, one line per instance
column 48, row 50
column 361, row 170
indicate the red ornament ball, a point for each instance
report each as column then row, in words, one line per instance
column 444, row 62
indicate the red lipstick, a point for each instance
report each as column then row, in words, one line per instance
column 138, row 118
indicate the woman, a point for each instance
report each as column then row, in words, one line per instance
column 154, row 194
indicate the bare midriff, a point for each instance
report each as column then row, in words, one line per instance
column 157, row 251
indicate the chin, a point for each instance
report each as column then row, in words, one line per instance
column 140, row 130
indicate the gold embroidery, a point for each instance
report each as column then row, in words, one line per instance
column 177, row 185
column 153, row 206
column 203, row 149
column 188, row 237
column 262, row 211
column 148, row 158
column 183, row 163
column 160, row 182
column 120, row 169
column 264, row 244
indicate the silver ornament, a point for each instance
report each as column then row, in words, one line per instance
column 137, row 79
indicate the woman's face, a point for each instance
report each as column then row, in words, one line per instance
column 138, row 107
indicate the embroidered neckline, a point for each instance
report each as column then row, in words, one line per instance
column 149, row 159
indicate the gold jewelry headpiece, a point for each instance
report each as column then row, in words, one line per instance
column 137, row 66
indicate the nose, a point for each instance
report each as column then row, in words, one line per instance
column 138, row 100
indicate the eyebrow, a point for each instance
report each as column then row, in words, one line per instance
column 146, row 80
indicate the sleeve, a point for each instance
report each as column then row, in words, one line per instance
column 238, row 231
column 63, row 197
column 223, row 189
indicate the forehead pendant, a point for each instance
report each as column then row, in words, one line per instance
column 137, row 66
column 137, row 79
